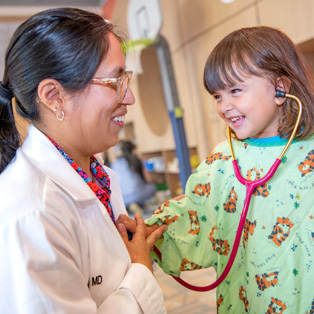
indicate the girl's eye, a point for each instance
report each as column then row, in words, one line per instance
column 235, row 90
column 216, row 97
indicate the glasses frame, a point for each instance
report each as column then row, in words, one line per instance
column 117, row 82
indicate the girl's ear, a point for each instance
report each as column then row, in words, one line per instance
column 50, row 95
column 283, row 84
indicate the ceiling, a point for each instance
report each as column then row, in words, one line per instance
column 51, row 2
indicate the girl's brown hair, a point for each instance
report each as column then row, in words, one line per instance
column 265, row 52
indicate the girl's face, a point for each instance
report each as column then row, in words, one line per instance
column 249, row 107
column 96, row 117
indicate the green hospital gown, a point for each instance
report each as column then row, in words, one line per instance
column 273, row 271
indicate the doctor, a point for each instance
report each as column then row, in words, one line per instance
column 62, row 247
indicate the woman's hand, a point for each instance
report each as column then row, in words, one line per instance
column 141, row 244
column 129, row 223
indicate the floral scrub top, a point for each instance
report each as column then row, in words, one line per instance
column 273, row 271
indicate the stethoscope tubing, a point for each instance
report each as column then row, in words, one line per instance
column 250, row 187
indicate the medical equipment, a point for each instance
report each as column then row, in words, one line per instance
column 250, row 187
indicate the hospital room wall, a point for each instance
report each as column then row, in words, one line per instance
column 192, row 28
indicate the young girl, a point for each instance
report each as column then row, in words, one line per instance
column 273, row 271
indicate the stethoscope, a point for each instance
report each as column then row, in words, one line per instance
column 250, row 187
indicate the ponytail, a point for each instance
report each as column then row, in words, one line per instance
column 9, row 136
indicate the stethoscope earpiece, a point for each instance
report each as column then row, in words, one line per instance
column 280, row 94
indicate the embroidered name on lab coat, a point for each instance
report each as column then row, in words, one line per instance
column 96, row 280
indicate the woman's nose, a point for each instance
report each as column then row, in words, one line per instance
column 129, row 98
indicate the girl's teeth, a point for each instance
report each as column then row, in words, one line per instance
column 235, row 119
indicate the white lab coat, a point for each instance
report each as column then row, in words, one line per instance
column 59, row 250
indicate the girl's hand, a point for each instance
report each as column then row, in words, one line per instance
column 155, row 226
column 152, row 228
column 179, row 197
column 140, row 246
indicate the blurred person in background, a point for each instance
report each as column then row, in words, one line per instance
column 135, row 182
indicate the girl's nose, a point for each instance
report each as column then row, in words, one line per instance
column 225, row 105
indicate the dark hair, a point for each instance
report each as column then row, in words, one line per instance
column 64, row 44
column 134, row 163
column 265, row 52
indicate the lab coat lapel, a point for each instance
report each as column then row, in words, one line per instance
column 46, row 157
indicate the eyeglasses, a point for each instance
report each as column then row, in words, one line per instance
column 121, row 83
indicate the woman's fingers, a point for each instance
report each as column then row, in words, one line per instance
column 139, row 230
column 140, row 245
column 140, row 226
column 122, row 230
column 129, row 224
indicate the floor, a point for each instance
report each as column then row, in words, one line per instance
column 180, row 300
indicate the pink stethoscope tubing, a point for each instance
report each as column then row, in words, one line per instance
column 250, row 187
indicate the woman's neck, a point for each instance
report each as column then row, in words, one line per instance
column 72, row 149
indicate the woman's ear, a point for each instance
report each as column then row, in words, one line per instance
column 283, row 84
column 50, row 94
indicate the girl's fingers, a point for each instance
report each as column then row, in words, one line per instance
column 179, row 197
column 156, row 235
column 151, row 228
